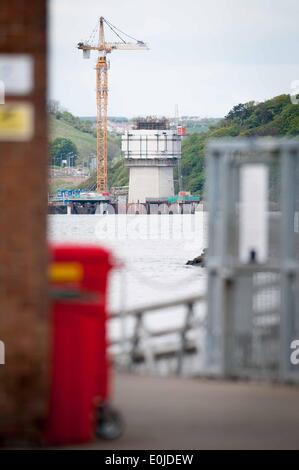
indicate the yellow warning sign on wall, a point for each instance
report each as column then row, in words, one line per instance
column 16, row 122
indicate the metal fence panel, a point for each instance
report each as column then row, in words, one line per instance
column 253, row 301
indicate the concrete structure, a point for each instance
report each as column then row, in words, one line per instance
column 151, row 152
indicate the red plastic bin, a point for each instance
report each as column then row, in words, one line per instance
column 79, row 371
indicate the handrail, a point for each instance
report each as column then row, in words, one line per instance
column 164, row 332
column 140, row 330
column 158, row 306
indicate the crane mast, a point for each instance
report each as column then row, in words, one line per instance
column 102, row 67
column 102, row 107
column 102, row 131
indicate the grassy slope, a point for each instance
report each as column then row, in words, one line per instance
column 85, row 143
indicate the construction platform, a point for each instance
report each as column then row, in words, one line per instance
column 176, row 413
column 107, row 206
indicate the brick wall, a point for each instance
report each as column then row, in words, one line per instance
column 23, row 251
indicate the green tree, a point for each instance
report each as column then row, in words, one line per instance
column 240, row 112
column 274, row 117
column 63, row 149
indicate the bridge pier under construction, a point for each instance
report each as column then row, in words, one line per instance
column 151, row 151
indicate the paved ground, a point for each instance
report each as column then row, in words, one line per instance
column 171, row 413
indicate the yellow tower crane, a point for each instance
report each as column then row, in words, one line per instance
column 102, row 67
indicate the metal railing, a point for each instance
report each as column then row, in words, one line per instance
column 132, row 350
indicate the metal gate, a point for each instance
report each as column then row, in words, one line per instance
column 253, row 258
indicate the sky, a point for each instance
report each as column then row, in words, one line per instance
column 204, row 55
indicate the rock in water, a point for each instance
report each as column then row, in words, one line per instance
column 199, row 260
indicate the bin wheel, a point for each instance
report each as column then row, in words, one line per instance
column 109, row 423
